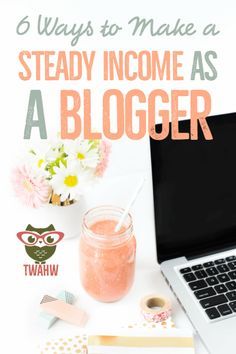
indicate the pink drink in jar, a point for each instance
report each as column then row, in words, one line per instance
column 107, row 258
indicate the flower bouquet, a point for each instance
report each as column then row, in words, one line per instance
column 58, row 175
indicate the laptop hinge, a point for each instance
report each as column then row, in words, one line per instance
column 210, row 253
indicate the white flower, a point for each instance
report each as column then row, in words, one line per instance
column 83, row 152
column 70, row 182
column 55, row 151
column 45, row 154
column 39, row 157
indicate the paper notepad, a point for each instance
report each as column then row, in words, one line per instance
column 123, row 341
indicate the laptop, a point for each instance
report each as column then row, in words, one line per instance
column 194, row 189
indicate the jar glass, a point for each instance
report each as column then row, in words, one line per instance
column 107, row 258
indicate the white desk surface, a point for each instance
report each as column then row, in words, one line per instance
column 148, row 277
column 20, row 296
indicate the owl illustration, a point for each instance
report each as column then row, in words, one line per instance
column 40, row 244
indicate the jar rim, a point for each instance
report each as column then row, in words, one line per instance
column 102, row 237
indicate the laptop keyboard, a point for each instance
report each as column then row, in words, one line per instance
column 214, row 285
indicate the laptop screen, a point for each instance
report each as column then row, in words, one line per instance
column 194, row 186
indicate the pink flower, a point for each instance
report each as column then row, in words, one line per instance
column 105, row 149
column 32, row 189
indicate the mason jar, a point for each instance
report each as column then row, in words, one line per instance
column 107, row 258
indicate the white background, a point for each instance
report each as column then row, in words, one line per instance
column 21, row 295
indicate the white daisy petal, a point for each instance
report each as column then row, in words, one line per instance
column 84, row 153
column 70, row 181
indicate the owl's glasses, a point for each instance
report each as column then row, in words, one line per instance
column 30, row 238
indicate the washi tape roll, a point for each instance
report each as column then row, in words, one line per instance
column 155, row 308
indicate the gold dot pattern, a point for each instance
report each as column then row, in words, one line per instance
column 77, row 344
column 161, row 325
